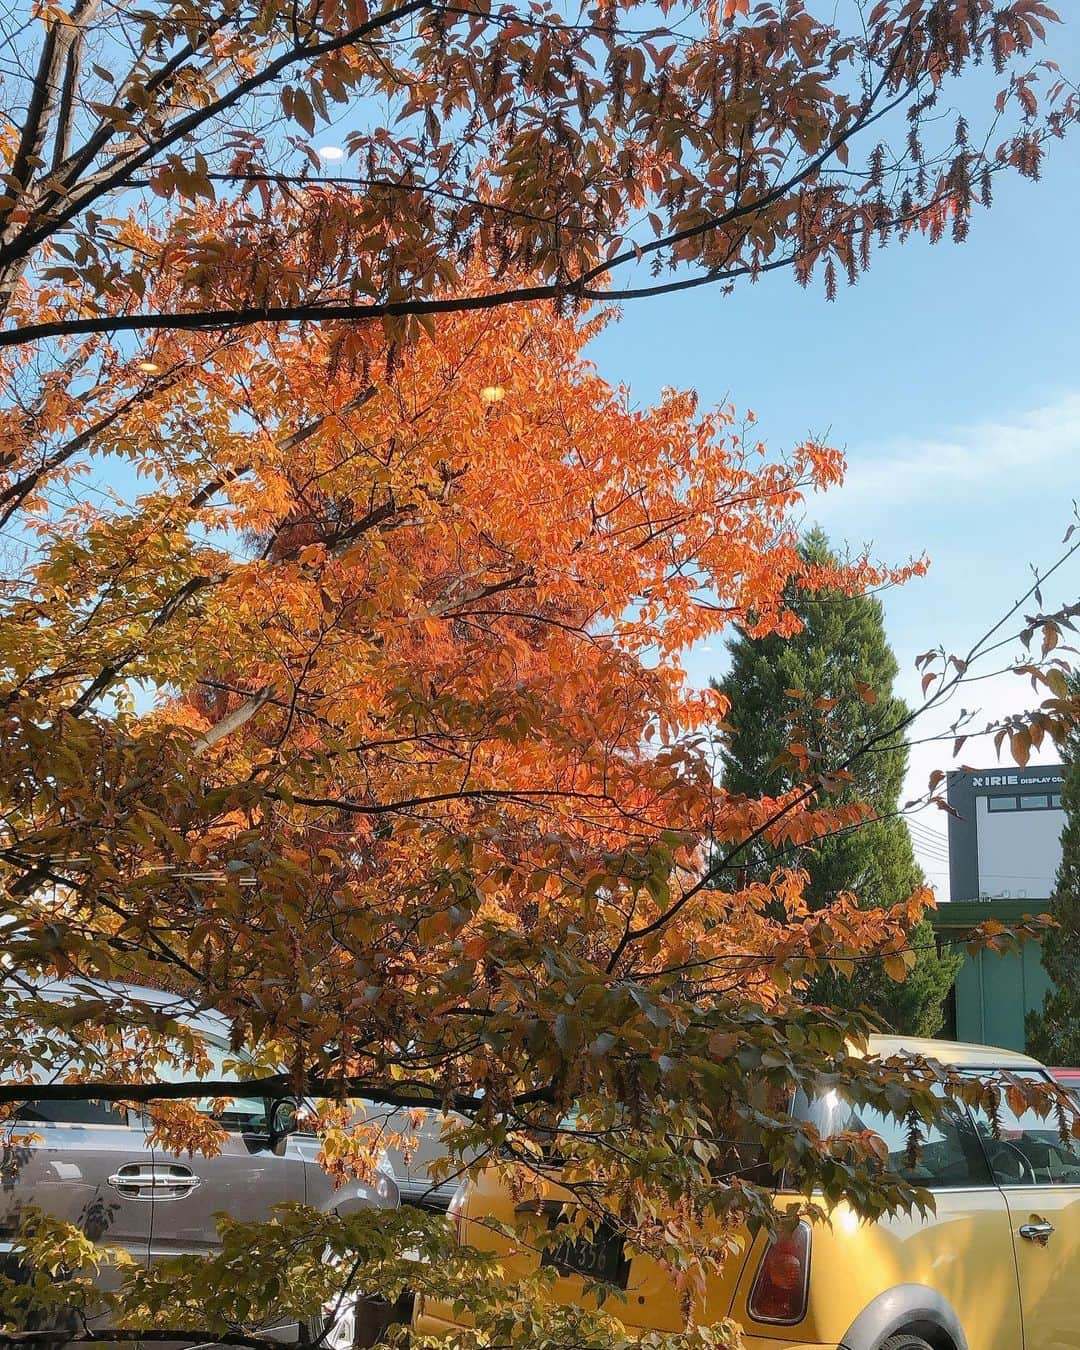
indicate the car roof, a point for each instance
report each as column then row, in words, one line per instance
column 955, row 1054
column 204, row 1021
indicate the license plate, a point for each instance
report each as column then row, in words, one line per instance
column 599, row 1257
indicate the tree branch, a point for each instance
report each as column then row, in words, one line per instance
column 96, row 188
column 232, row 721
column 274, row 1085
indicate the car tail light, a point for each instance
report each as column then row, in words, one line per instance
column 783, row 1278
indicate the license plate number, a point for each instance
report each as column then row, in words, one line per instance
column 599, row 1257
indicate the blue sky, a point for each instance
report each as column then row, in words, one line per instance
column 950, row 376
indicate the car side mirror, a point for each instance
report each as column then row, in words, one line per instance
column 283, row 1121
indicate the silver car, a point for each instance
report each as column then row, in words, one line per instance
column 91, row 1165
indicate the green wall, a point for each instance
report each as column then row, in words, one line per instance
column 993, row 992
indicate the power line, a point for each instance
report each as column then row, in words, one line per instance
column 917, row 827
column 929, row 845
column 926, row 832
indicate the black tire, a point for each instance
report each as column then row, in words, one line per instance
column 905, row 1341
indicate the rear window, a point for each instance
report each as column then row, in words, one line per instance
column 745, row 1145
column 741, row 1151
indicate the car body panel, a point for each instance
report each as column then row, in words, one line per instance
column 427, row 1320
column 245, row 1181
column 412, row 1166
column 77, row 1172
column 963, row 1257
column 1039, row 1176
column 969, row 1247
column 650, row 1302
column 760, row 1343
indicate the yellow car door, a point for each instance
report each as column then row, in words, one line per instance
column 1040, row 1178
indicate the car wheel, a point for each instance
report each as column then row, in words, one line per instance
column 905, row 1341
column 336, row 1329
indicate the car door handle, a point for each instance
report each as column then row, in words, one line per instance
column 139, row 1181
column 1036, row 1232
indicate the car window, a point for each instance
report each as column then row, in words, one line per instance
column 72, row 1113
column 1028, row 1150
column 947, row 1156
column 1071, row 1085
column 740, row 1150
column 744, row 1152
column 245, row 1115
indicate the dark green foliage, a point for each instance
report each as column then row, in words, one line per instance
column 1053, row 1033
column 842, row 646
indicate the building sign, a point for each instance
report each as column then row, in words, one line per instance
column 1027, row 778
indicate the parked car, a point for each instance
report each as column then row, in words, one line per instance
column 94, row 1166
column 1069, row 1078
column 996, row 1268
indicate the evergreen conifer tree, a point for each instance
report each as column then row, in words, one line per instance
column 1053, row 1032
column 842, row 647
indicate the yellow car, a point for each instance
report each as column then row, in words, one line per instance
column 997, row 1267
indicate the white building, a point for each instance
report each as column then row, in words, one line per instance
column 1005, row 838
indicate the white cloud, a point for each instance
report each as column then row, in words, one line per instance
column 331, row 152
column 984, row 460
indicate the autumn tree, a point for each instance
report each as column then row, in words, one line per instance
column 829, row 688
column 338, row 578
column 412, row 807
column 396, row 629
